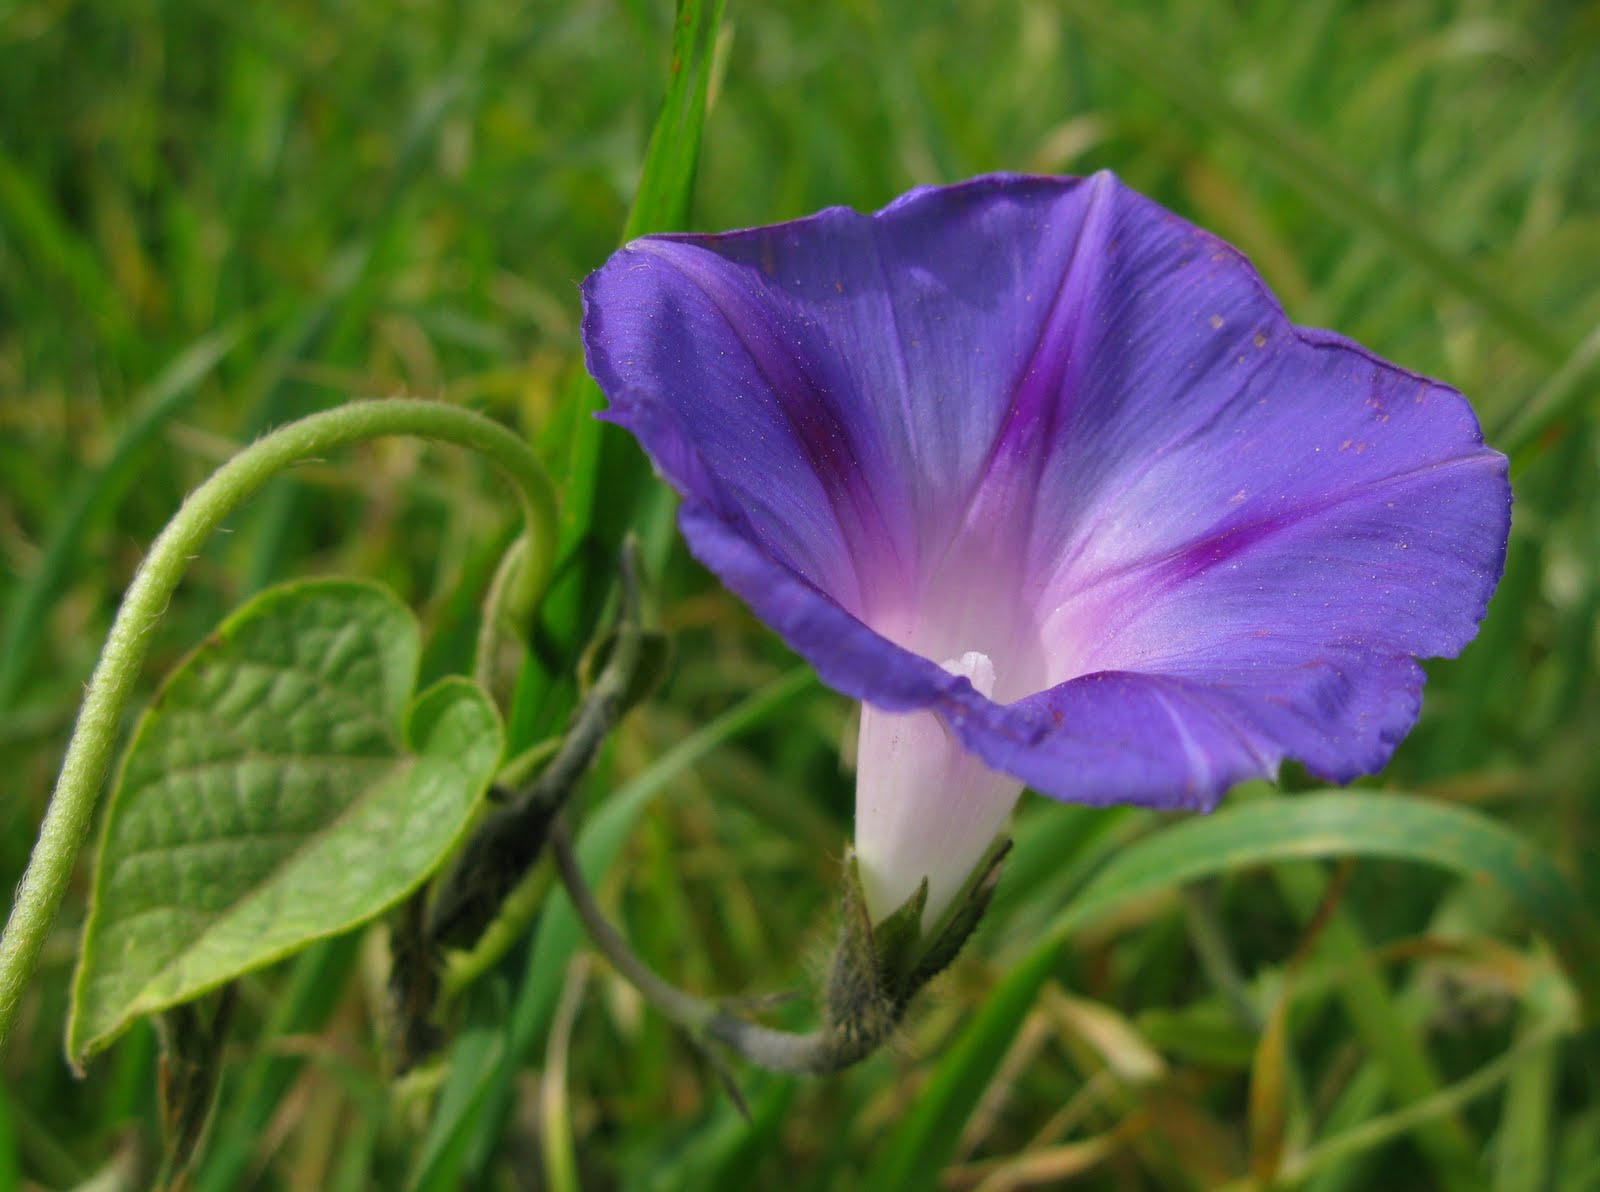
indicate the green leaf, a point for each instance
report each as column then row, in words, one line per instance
column 950, row 934
column 278, row 791
column 1331, row 824
column 89, row 496
column 1320, row 175
column 1356, row 824
column 666, row 185
column 890, row 944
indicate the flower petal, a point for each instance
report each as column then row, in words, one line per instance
column 1051, row 422
column 835, row 387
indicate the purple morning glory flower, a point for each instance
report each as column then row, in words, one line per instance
column 1041, row 473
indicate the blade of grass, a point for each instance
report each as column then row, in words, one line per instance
column 10, row 1161
column 353, row 1171
column 37, row 225
column 331, row 315
column 1363, row 1098
column 924, row 1142
column 666, row 184
column 723, row 1153
column 91, row 496
column 1357, row 824
column 250, row 1098
column 591, row 460
column 1448, row 1101
column 1331, row 824
column 602, row 838
column 476, row 1054
column 560, row 1152
column 1393, row 1042
column 1056, row 849
column 1320, row 176
column 1567, row 388
column 1522, row 1148
column 37, row 1148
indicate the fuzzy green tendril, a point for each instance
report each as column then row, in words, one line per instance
column 89, row 753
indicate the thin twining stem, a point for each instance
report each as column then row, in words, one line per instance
column 509, row 842
column 816, row 1053
column 88, row 758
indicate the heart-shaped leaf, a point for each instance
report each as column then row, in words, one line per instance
column 283, row 787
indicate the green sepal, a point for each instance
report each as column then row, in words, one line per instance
column 878, row 968
column 961, row 917
column 858, row 1008
column 896, row 940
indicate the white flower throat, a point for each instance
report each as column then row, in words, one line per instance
column 925, row 806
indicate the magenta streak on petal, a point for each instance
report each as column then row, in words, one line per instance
column 1136, row 584
column 686, row 466
column 981, row 574
column 1044, row 393
column 1181, row 439
column 811, row 415
column 1190, row 560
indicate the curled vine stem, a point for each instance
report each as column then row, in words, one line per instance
column 875, row 973
column 510, row 841
column 508, row 609
column 88, row 757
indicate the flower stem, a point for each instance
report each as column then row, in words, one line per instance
column 816, row 1053
column 89, row 753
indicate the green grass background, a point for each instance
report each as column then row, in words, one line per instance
column 215, row 216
